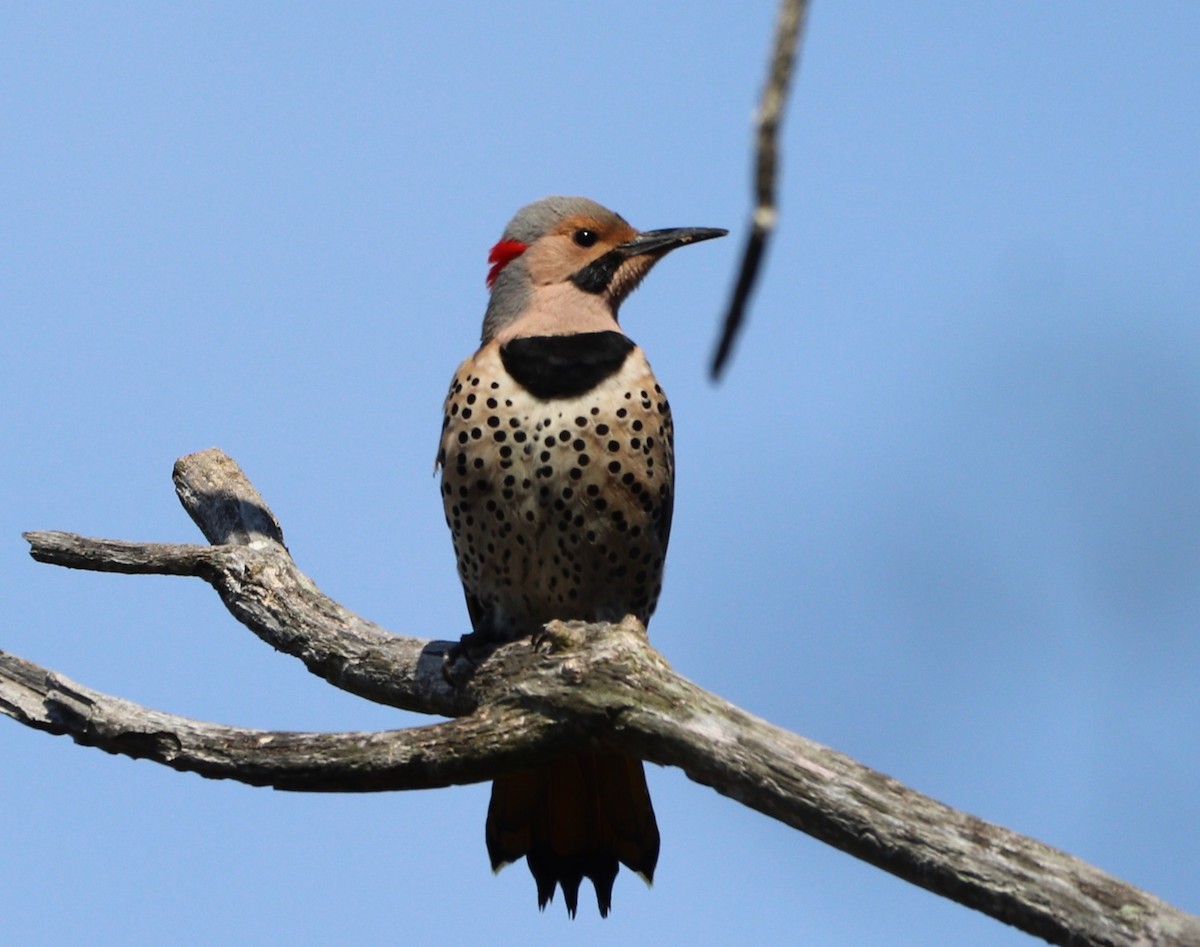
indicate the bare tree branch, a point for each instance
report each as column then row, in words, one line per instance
column 260, row 584
column 788, row 31
column 467, row 750
column 599, row 685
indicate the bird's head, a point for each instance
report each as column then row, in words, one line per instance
column 567, row 261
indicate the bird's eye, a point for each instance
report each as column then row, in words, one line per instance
column 585, row 237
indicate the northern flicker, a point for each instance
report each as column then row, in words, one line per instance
column 557, row 480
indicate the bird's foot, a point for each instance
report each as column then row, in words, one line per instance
column 462, row 659
column 556, row 635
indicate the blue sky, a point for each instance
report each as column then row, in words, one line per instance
column 943, row 514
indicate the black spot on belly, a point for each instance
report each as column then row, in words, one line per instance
column 563, row 366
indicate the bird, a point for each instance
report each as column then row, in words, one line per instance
column 557, row 460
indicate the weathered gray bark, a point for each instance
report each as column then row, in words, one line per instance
column 578, row 684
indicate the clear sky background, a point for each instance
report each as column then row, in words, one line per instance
column 943, row 514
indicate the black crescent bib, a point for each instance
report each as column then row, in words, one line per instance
column 564, row 366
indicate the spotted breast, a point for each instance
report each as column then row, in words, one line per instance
column 559, row 507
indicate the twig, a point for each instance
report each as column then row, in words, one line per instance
column 788, row 30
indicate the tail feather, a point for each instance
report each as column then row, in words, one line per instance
column 515, row 799
column 573, row 819
column 632, row 831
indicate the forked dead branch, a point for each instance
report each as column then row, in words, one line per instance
column 599, row 684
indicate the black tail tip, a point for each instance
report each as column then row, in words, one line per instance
column 555, row 873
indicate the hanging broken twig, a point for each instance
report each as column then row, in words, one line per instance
column 788, row 31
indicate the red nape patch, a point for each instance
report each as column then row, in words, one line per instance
column 503, row 254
